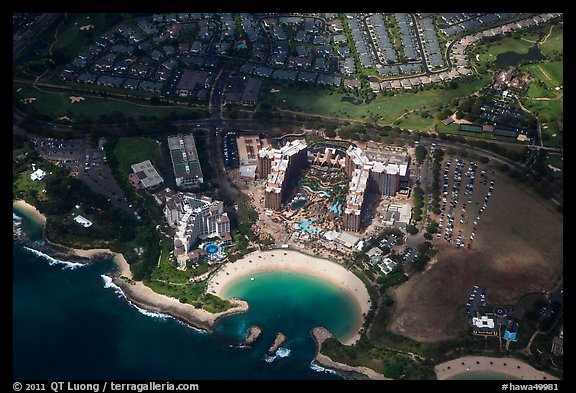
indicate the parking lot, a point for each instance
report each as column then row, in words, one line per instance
column 89, row 165
column 466, row 192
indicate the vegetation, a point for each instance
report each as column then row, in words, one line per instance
column 168, row 280
column 129, row 151
column 391, row 363
column 383, row 109
column 51, row 105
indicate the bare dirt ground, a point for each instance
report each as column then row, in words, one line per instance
column 518, row 249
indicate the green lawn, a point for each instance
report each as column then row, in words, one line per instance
column 57, row 104
column 551, row 73
column 536, row 91
column 415, row 121
column 554, row 43
column 130, row 151
column 72, row 41
column 488, row 53
column 26, row 184
column 556, row 160
column 320, row 101
column 551, row 137
column 546, row 110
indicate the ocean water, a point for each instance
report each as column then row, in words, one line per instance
column 70, row 323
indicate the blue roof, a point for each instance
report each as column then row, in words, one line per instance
column 509, row 336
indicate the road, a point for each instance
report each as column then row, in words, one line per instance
column 553, row 192
column 20, row 42
column 216, row 124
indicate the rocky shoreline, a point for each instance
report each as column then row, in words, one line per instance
column 320, row 334
column 278, row 341
column 254, row 333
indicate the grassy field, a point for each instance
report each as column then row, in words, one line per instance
column 387, row 109
column 71, row 40
column 57, row 104
column 554, row 43
column 549, row 109
column 537, row 91
column 130, row 151
column 518, row 249
column 551, row 135
column 27, row 185
column 552, row 73
column 556, row 160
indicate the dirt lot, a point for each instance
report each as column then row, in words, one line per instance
column 518, row 248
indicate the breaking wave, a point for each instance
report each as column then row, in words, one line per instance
column 53, row 261
column 321, row 369
column 280, row 353
column 108, row 283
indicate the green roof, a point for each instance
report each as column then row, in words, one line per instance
column 176, row 156
column 470, row 128
column 179, row 169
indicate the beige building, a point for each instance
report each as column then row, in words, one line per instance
column 248, row 148
column 371, row 170
column 194, row 217
column 280, row 167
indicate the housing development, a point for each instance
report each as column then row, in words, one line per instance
column 414, row 161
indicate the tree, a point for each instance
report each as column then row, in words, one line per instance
column 330, row 133
column 420, row 153
column 411, row 229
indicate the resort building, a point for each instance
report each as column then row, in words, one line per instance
column 38, row 174
column 375, row 171
column 355, row 199
column 187, row 169
column 86, row 223
column 144, row 175
column 486, row 320
column 194, row 218
column 329, row 158
column 279, row 167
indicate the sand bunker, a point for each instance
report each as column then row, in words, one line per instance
column 28, row 100
column 86, row 27
column 74, row 99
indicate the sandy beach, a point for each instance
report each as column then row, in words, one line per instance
column 320, row 334
column 144, row 297
column 484, row 364
column 136, row 291
column 30, row 210
column 293, row 261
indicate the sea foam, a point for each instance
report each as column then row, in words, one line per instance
column 280, row 353
column 53, row 261
column 108, row 283
column 321, row 369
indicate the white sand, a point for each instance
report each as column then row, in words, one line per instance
column 30, row 210
column 74, row 99
column 293, row 261
column 508, row 366
column 145, row 297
